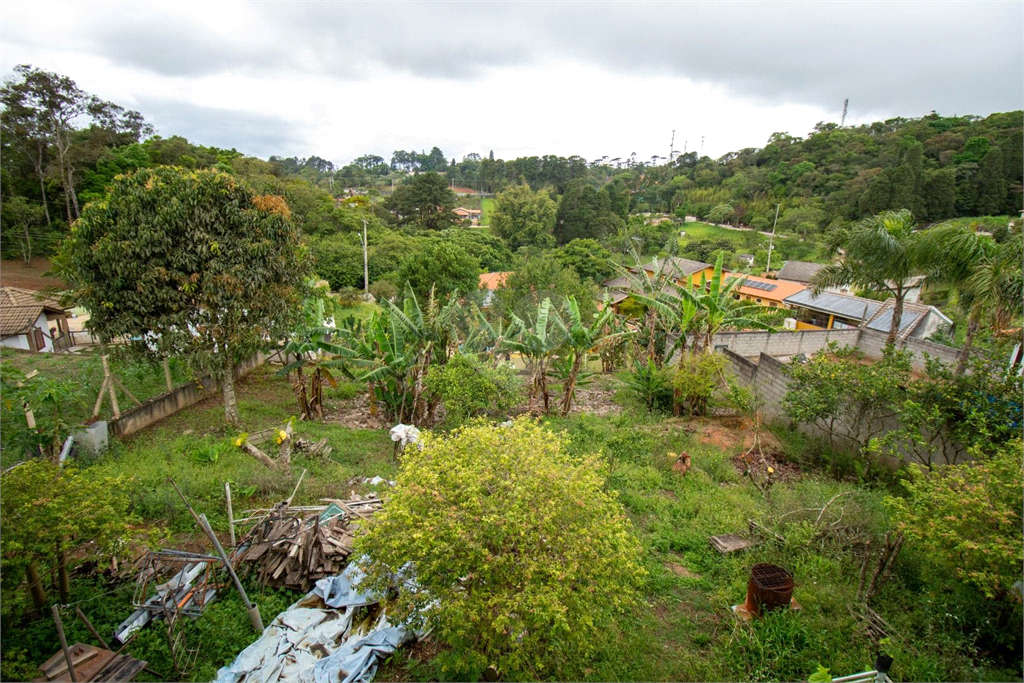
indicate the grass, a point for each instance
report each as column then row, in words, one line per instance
column 487, row 208
column 77, row 378
column 685, row 631
column 699, row 230
column 982, row 223
column 747, row 241
column 360, row 311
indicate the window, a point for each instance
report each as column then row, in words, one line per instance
column 757, row 300
column 773, row 304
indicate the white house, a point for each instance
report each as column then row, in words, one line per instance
column 32, row 322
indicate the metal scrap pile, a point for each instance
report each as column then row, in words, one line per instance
column 293, row 547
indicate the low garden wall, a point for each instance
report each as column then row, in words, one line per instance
column 169, row 403
column 809, row 342
column 768, row 377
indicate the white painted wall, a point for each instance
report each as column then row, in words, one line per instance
column 20, row 341
column 17, row 341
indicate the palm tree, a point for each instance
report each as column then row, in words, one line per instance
column 703, row 309
column 987, row 276
column 881, row 253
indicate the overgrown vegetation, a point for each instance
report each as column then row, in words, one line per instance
column 521, row 558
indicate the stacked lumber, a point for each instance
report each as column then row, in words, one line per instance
column 91, row 664
column 295, row 547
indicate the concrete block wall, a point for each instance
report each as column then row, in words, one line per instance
column 872, row 342
column 769, row 377
column 169, row 403
column 809, row 342
column 751, row 344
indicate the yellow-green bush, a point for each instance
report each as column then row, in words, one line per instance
column 521, row 557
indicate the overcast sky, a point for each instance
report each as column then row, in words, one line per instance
column 343, row 79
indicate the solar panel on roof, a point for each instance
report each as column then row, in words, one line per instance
column 756, row 284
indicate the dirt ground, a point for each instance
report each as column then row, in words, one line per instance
column 17, row 274
column 353, row 413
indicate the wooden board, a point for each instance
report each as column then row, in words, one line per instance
column 91, row 664
column 730, row 543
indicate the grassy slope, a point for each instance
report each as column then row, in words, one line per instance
column 686, row 633
column 486, row 210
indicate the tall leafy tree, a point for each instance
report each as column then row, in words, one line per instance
column 47, row 108
column 881, row 254
column 589, row 258
column 524, row 218
column 443, row 267
column 426, row 201
column 584, row 212
column 192, row 264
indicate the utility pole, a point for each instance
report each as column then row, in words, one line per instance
column 768, row 266
column 366, row 266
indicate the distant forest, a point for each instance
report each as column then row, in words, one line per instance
column 938, row 167
column 60, row 147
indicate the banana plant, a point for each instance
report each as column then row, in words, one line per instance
column 483, row 337
column 719, row 310
column 645, row 289
column 397, row 349
column 580, row 340
column 538, row 341
column 678, row 308
column 383, row 359
column 311, row 345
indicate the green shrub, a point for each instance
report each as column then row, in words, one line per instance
column 50, row 513
column 650, row 385
column 382, row 289
column 469, row 388
column 522, row 559
column 695, row 380
column 348, row 297
column 968, row 517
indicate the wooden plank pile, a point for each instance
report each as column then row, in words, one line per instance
column 91, row 664
column 294, row 547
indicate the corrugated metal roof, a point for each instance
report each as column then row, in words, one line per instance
column 883, row 319
column 843, row 305
column 913, row 315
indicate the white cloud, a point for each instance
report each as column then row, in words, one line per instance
column 339, row 80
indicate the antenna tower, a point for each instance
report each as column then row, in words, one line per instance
column 846, row 103
column 672, row 146
column 701, row 147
